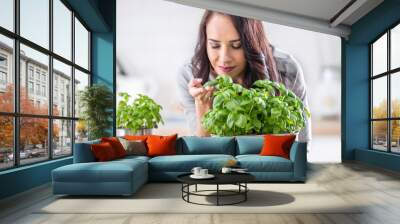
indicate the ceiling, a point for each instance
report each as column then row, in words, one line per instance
column 326, row 16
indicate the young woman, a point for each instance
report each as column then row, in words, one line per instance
column 238, row 47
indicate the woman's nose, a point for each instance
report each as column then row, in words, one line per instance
column 225, row 55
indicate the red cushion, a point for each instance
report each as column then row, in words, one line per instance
column 103, row 151
column 161, row 145
column 277, row 145
column 116, row 145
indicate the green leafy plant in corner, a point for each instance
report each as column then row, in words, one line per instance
column 96, row 102
column 143, row 112
column 267, row 107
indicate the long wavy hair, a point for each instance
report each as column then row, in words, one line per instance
column 258, row 51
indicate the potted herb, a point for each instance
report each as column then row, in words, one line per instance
column 140, row 116
column 96, row 102
column 266, row 108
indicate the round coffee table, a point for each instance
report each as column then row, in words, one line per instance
column 238, row 179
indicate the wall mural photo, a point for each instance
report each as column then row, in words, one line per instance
column 212, row 73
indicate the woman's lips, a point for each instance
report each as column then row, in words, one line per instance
column 226, row 69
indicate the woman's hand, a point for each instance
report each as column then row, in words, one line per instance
column 201, row 95
column 203, row 102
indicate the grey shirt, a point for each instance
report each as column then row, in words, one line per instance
column 288, row 67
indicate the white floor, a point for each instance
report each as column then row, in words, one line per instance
column 325, row 149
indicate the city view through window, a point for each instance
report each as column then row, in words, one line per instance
column 39, row 114
column 385, row 82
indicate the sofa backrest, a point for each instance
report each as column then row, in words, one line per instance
column 83, row 152
column 192, row 145
column 249, row 144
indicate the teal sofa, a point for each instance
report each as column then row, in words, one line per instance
column 125, row 176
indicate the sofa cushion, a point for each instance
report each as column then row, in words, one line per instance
column 185, row 163
column 249, row 144
column 116, row 145
column 134, row 147
column 277, row 145
column 111, row 171
column 103, row 151
column 193, row 145
column 257, row 163
column 161, row 145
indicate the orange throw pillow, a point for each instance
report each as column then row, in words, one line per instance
column 103, row 152
column 161, row 145
column 277, row 145
column 116, row 145
column 136, row 137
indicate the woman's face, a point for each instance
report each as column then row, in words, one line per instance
column 224, row 48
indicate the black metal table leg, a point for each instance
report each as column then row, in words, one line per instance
column 245, row 194
column 217, row 194
column 196, row 188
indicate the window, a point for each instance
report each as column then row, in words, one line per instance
column 44, row 91
column 30, row 87
column 3, row 72
column 34, row 21
column 54, row 125
column 3, row 78
column 37, row 75
column 62, row 74
column 385, row 94
column 3, row 61
column 7, row 14
column 62, row 29
column 6, row 73
column 81, row 45
column 30, row 72
column 38, row 89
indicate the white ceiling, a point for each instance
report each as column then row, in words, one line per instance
column 315, row 15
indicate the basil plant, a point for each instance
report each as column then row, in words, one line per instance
column 142, row 113
column 266, row 108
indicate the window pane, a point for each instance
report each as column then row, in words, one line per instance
column 81, row 81
column 81, row 131
column 395, row 47
column 33, row 140
column 62, row 138
column 62, row 89
column 34, row 78
column 395, row 94
column 395, row 136
column 379, row 55
column 379, row 135
column 6, row 142
column 6, row 74
column 7, row 14
column 62, row 29
column 35, row 21
column 81, row 45
column 379, row 97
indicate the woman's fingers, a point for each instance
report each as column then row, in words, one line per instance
column 206, row 96
column 195, row 83
column 195, row 87
column 196, row 92
column 209, row 93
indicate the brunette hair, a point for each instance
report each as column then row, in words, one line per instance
column 258, row 51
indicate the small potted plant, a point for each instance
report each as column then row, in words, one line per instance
column 266, row 108
column 140, row 116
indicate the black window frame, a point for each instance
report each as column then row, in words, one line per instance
column 16, row 115
column 388, row 74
